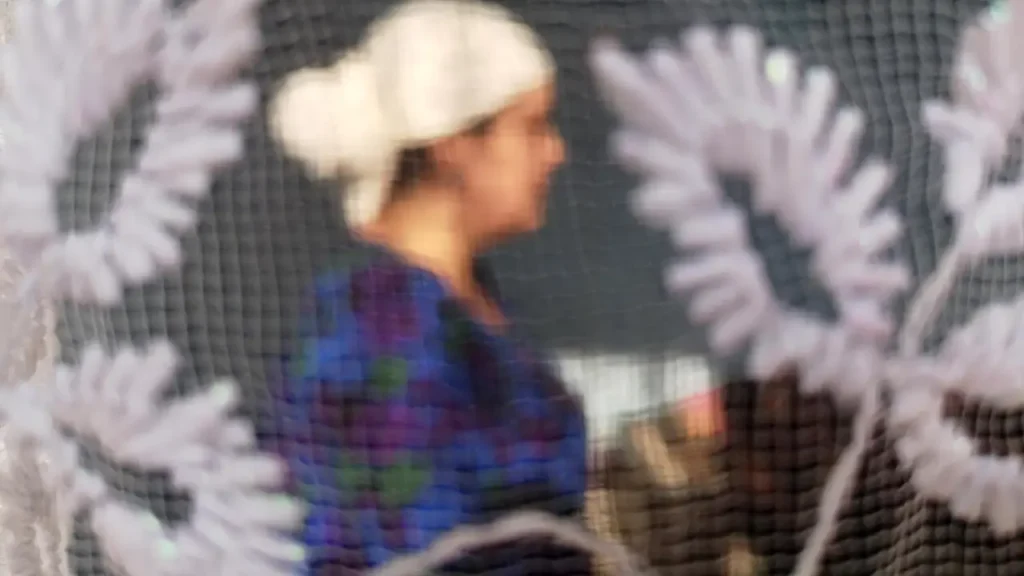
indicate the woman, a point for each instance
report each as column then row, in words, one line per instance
column 409, row 409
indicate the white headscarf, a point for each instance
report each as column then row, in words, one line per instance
column 425, row 70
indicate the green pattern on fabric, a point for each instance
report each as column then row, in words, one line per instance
column 354, row 476
column 388, row 376
column 401, row 483
column 353, row 471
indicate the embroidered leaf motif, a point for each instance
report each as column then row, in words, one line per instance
column 352, row 470
column 401, row 483
column 388, row 375
column 354, row 475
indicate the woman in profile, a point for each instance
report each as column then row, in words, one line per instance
column 409, row 409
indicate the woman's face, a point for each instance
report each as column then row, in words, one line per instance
column 505, row 171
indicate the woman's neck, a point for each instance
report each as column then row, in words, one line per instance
column 429, row 234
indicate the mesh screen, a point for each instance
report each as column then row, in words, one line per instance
column 588, row 288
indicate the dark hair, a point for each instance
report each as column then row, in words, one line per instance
column 414, row 164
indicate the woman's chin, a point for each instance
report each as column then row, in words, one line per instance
column 540, row 216
column 529, row 224
column 534, row 225
column 525, row 224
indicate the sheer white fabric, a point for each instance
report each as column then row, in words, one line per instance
column 32, row 533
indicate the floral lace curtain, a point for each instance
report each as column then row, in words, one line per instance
column 32, row 535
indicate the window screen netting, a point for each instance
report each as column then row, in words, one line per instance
column 588, row 289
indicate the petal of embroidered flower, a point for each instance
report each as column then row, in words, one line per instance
column 402, row 482
column 388, row 376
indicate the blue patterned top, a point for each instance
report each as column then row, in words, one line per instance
column 401, row 418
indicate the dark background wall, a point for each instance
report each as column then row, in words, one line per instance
column 591, row 280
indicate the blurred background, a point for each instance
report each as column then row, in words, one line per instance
column 588, row 289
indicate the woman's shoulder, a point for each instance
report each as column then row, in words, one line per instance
column 370, row 280
column 378, row 302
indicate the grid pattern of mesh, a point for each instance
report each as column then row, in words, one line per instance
column 590, row 284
